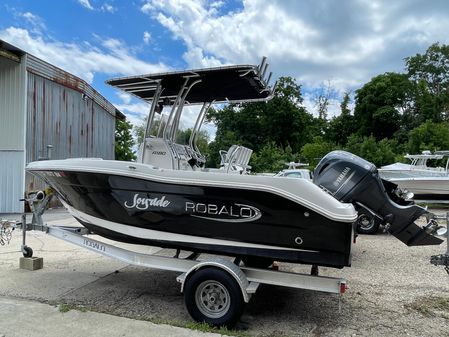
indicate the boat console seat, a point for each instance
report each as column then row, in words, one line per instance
column 236, row 159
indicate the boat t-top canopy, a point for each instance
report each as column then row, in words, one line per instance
column 230, row 84
column 222, row 84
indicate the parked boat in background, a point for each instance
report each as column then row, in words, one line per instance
column 424, row 181
column 418, row 166
column 293, row 171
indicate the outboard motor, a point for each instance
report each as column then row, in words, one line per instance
column 349, row 178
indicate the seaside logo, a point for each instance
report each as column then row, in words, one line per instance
column 144, row 203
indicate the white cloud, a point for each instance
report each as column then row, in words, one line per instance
column 217, row 4
column 108, row 8
column 135, row 111
column 147, row 8
column 34, row 21
column 114, row 58
column 86, row 4
column 146, row 37
column 105, row 7
column 333, row 108
column 345, row 42
column 124, row 97
column 30, row 17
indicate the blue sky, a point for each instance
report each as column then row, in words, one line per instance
column 341, row 43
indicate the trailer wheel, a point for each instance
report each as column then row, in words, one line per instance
column 27, row 251
column 213, row 296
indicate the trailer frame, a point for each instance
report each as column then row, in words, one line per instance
column 211, row 284
column 210, row 300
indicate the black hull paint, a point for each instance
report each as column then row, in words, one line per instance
column 229, row 214
column 313, row 258
column 432, row 197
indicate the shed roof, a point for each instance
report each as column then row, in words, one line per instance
column 11, row 52
column 56, row 74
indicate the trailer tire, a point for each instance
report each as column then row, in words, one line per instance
column 213, row 296
column 27, row 251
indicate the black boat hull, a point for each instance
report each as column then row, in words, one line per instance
column 219, row 220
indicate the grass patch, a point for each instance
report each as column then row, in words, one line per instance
column 157, row 320
column 432, row 306
column 64, row 307
column 204, row 327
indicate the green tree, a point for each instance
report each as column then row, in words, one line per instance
column 342, row 126
column 380, row 104
column 430, row 72
column 431, row 67
column 124, row 141
column 322, row 100
column 429, row 136
column 314, row 151
column 270, row 158
column 380, row 153
column 202, row 138
column 281, row 120
column 285, row 121
column 426, row 105
column 139, row 131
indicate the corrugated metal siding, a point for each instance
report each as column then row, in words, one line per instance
column 11, row 181
column 12, row 105
column 73, row 124
column 56, row 108
column 57, row 75
column 12, row 135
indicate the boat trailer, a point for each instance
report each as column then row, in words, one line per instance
column 215, row 288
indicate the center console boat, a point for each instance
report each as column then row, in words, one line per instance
column 170, row 199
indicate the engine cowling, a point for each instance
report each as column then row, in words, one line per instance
column 349, row 178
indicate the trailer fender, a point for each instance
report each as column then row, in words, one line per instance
column 225, row 265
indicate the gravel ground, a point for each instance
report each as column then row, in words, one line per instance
column 393, row 291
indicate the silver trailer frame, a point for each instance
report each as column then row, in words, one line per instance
column 210, row 285
column 208, row 299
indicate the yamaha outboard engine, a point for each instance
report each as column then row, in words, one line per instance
column 350, row 178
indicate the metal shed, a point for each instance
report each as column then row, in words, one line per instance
column 44, row 108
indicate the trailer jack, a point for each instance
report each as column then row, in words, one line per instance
column 434, row 227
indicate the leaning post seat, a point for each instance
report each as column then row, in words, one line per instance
column 236, row 159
